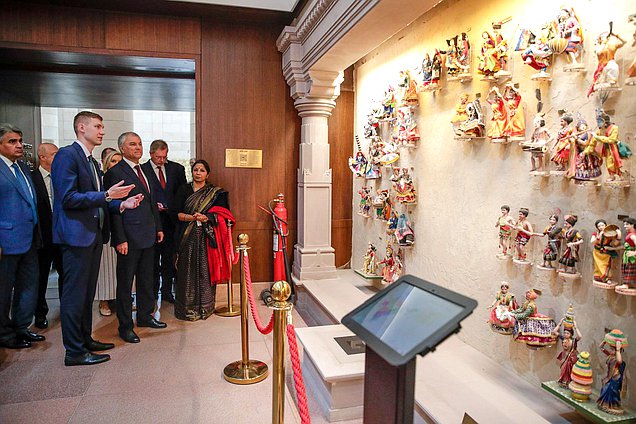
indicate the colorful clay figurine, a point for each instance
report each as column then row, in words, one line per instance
column 501, row 320
column 631, row 71
column 388, row 104
column 582, row 378
column 569, row 29
column 409, row 88
column 391, row 224
column 404, row 232
column 452, row 60
column 464, row 58
column 497, row 131
column 473, row 126
column 609, row 400
column 382, row 204
column 606, row 73
column 460, row 115
column 536, row 51
column 405, row 129
column 431, row 71
column 551, row 250
column 628, row 268
column 606, row 241
column 488, row 57
column 365, row 202
column 573, row 240
column 369, row 266
column 516, row 128
column 563, row 144
column 570, row 338
column 404, row 188
column 606, row 141
column 587, row 166
column 524, row 233
column 531, row 327
column 359, row 164
column 501, row 46
column 388, row 152
column 505, row 223
column 398, row 265
column 388, row 264
column 538, row 143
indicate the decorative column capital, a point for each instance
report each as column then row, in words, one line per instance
column 319, row 99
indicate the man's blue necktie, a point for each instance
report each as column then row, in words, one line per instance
column 25, row 188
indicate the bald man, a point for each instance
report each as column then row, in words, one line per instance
column 49, row 253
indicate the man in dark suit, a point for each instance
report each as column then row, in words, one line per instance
column 19, row 239
column 80, row 227
column 49, row 252
column 134, row 235
column 165, row 178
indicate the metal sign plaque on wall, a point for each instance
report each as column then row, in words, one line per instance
column 243, row 158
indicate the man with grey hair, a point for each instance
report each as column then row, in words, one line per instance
column 19, row 240
column 165, row 178
column 49, row 253
column 133, row 235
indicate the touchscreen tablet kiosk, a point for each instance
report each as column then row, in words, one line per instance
column 408, row 317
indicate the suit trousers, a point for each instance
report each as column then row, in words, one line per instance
column 137, row 263
column 18, row 277
column 163, row 269
column 49, row 254
column 81, row 267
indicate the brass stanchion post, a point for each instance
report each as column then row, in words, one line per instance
column 245, row 371
column 231, row 310
column 281, row 291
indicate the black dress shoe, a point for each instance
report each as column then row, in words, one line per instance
column 86, row 359
column 168, row 297
column 14, row 343
column 129, row 336
column 29, row 336
column 152, row 323
column 95, row 346
column 41, row 323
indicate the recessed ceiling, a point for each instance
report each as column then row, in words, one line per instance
column 278, row 5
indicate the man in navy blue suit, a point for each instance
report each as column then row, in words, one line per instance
column 133, row 236
column 81, row 227
column 165, row 178
column 19, row 241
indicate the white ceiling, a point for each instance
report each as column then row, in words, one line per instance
column 279, row 5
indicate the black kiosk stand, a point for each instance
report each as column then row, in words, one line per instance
column 410, row 317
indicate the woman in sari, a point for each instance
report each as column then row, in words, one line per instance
column 205, row 252
column 604, row 251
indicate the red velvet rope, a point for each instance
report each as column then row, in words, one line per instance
column 257, row 320
column 298, row 375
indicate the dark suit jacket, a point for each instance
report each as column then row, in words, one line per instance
column 138, row 226
column 45, row 214
column 16, row 217
column 76, row 199
column 175, row 178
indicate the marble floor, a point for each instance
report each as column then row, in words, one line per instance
column 173, row 376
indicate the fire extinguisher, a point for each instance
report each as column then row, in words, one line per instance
column 282, row 269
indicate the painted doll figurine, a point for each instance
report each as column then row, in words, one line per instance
column 606, row 241
column 501, row 320
column 606, row 73
column 464, row 57
column 405, row 191
column 388, row 265
column 365, row 202
column 551, row 250
column 499, row 121
column 582, row 378
column 569, row 28
column 606, row 141
column 609, row 400
column 531, row 327
column 536, row 51
column 369, row 266
column 398, row 265
column 382, row 205
column 631, row 71
column 569, row 341
column 573, row 240
column 501, row 46
column 388, row 104
column 474, row 126
column 460, row 115
column 524, row 233
column 488, row 57
column 516, row 128
column 563, row 144
column 628, row 268
column 505, row 223
column 587, row 167
column 409, row 85
column 452, row 61
column 437, row 70
column 404, row 232
column 427, row 70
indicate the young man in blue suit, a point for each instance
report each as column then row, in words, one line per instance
column 81, row 226
column 165, row 178
column 133, row 236
column 19, row 241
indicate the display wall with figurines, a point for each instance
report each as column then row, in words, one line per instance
column 520, row 114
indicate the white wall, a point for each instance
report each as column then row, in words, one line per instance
column 461, row 186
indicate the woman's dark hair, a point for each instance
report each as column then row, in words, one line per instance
column 556, row 217
column 598, row 221
column 631, row 221
column 202, row 162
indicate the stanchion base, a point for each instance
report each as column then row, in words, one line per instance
column 238, row 373
column 225, row 311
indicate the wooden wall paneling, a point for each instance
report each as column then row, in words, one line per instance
column 244, row 104
column 53, row 26
column 341, row 148
column 152, row 33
